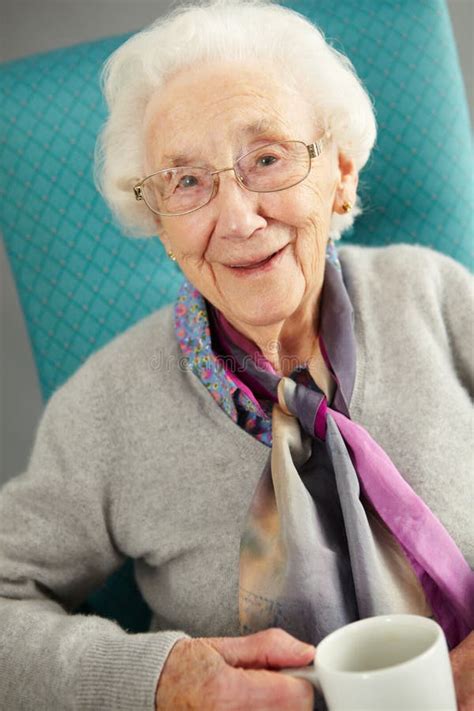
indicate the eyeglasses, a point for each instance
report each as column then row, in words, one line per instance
column 184, row 189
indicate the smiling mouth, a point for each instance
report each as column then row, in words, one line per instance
column 256, row 265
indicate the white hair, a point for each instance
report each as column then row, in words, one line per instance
column 217, row 30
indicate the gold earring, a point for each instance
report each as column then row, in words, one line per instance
column 171, row 255
column 347, row 206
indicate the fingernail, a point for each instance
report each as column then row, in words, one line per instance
column 303, row 648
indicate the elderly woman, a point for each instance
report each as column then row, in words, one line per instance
column 285, row 449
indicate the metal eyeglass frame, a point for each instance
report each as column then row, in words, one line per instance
column 314, row 151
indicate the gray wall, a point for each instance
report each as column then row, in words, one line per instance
column 30, row 26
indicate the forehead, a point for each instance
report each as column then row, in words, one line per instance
column 209, row 105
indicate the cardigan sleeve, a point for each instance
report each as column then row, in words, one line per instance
column 57, row 546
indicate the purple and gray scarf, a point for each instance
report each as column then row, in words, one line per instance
column 334, row 532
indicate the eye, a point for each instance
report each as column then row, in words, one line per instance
column 266, row 160
column 188, row 181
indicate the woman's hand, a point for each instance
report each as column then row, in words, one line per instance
column 462, row 663
column 234, row 674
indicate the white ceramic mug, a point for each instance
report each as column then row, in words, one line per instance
column 386, row 663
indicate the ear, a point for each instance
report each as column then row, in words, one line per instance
column 348, row 178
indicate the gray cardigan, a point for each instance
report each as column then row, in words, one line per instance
column 134, row 458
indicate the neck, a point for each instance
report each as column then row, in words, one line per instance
column 291, row 342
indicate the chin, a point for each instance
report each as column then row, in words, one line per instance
column 272, row 308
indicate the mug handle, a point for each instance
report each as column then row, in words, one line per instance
column 310, row 673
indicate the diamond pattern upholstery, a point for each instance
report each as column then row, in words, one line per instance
column 80, row 282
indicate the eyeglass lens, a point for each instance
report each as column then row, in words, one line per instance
column 266, row 169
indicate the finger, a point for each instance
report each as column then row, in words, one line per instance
column 266, row 690
column 269, row 648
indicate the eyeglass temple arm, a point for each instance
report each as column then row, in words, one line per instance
column 315, row 149
column 137, row 189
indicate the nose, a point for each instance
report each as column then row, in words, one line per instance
column 236, row 209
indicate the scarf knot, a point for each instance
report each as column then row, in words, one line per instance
column 308, row 406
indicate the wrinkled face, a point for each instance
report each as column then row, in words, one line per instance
column 209, row 116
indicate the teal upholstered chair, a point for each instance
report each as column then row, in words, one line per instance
column 80, row 282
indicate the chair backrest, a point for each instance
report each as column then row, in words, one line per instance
column 80, row 282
